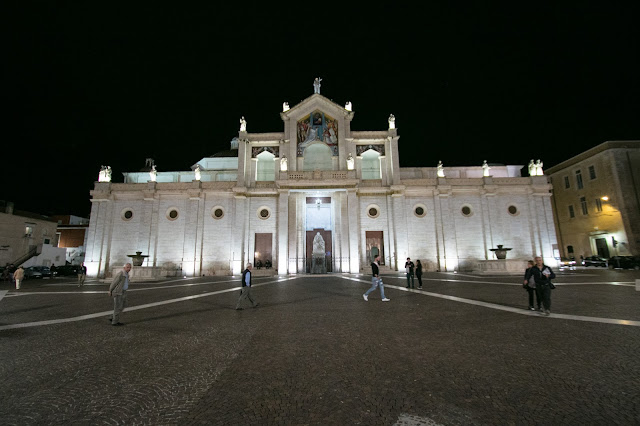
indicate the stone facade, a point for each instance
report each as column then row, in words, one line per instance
column 264, row 199
column 596, row 200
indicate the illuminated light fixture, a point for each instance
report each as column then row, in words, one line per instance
column 605, row 198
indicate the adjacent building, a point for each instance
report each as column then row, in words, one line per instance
column 314, row 197
column 71, row 235
column 596, row 201
column 28, row 238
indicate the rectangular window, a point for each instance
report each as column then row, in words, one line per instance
column 567, row 183
column 28, row 231
column 592, row 172
column 583, row 204
column 571, row 212
column 579, row 179
column 598, row 205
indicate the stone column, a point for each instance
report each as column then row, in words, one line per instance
column 238, row 235
column 354, row 234
column 282, row 232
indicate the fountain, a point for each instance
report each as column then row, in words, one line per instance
column 500, row 265
column 500, row 252
column 137, row 258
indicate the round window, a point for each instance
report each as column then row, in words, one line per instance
column 127, row 214
column 264, row 213
column 217, row 212
column 420, row 210
column 513, row 210
column 172, row 214
column 466, row 211
column 373, row 211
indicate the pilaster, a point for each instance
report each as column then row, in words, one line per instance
column 282, row 230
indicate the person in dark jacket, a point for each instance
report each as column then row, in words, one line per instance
column 530, row 286
column 246, row 289
column 542, row 274
column 409, row 266
column 376, row 281
column 419, row 272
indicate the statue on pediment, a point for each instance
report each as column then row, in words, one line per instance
column 243, row 124
column 538, row 166
column 105, row 174
column 316, row 85
column 485, row 168
column 392, row 122
column 532, row 168
column 197, row 172
column 284, row 164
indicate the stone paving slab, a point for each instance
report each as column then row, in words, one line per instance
column 314, row 352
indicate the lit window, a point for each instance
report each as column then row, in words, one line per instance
column 28, row 231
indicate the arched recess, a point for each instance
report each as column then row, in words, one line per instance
column 266, row 167
column 371, row 165
column 317, row 156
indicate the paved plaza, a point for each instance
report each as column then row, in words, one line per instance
column 462, row 351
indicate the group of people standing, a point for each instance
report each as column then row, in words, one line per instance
column 537, row 279
column 411, row 269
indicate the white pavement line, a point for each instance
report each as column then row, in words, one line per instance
column 519, row 311
column 133, row 308
column 32, row 293
column 2, row 293
column 519, row 284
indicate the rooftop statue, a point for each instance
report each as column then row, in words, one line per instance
column 350, row 162
column 105, row 174
column 197, row 172
column 243, row 124
column 285, row 106
column 283, row 164
column 316, row 85
column 440, row 168
column 392, row 122
column 532, row 168
column 348, row 106
column 538, row 169
column 485, row 168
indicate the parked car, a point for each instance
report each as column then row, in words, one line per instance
column 36, row 272
column 594, row 261
column 624, row 262
column 566, row 262
column 67, row 270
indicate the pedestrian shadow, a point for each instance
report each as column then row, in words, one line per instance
column 35, row 308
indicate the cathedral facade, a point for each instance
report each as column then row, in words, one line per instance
column 278, row 200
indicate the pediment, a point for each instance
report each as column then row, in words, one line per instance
column 313, row 103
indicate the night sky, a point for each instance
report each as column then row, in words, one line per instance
column 94, row 84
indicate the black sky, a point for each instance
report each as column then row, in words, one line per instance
column 92, row 84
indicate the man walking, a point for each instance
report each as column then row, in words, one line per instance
column 409, row 267
column 82, row 275
column 18, row 276
column 118, row 290
column 246, row 289
column 376, row 281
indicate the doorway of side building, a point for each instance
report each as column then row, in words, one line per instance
column 263, row 254
column 375, row 245
column 602, row 248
